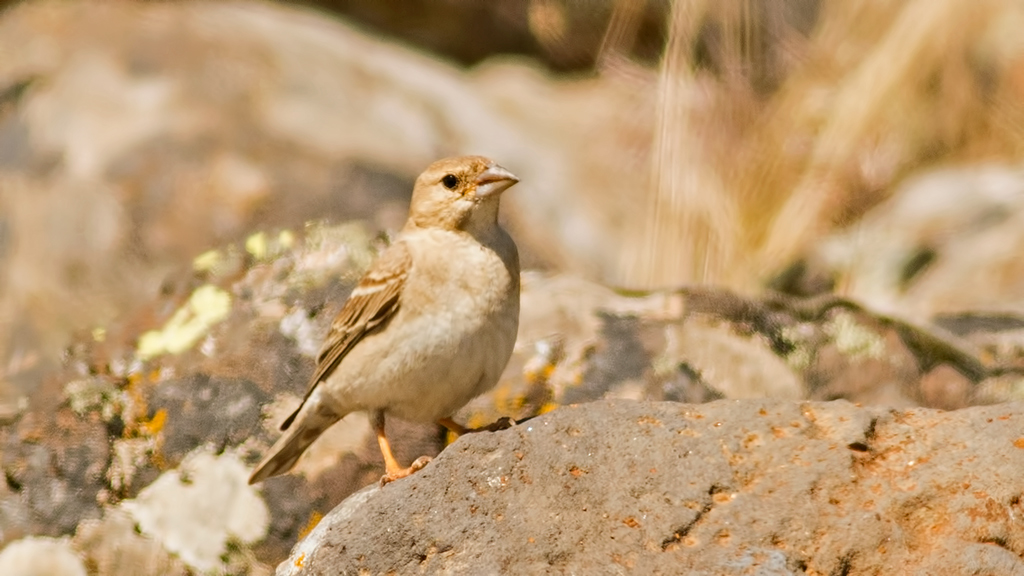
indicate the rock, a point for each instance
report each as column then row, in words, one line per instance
column 730, row 487
column 223, row 356
column 926, row 251
column 734, row 366
column 41, row 556
column 565, row 35
column 51, row 486
column 197, row 510
column 123, row 162
column 213, row 366
column 113, row 547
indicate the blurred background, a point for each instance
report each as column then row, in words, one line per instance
column 868, row 149
column 742, row 143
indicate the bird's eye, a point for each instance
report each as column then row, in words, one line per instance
column 450, row 181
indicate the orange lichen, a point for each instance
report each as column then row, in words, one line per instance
column 314, row 519
column 155, row 424
column 546, row 407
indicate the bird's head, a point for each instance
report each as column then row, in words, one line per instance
column 460, row 193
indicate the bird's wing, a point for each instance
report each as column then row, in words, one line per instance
column 373, row 301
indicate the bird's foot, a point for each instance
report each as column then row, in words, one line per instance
column 393, row 475
column 502, row 423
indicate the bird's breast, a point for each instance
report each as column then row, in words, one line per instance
column 458, row 277
column 451, row 337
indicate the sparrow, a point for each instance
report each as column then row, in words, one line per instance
column 428, row 328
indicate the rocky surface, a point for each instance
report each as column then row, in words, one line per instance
column 730, row 487
column 194, row 216
column 154, row 420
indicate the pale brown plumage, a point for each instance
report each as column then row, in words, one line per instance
column 371, row 303
column 429, row 326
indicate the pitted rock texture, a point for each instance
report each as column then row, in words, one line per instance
column 730, row 487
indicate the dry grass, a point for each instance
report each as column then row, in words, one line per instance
column 769, row 136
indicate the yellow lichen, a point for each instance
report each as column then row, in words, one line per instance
column 286, row 239
column 207, row 306
column 257, row 245
column 207, row 261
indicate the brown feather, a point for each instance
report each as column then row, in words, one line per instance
column 287, row 450
column 373, row 301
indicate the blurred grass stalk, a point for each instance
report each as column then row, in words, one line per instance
column 768, row 137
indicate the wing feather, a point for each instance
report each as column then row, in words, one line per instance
column 373, row 301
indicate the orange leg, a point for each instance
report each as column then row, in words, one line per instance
column 391, row 465
column 453, row 426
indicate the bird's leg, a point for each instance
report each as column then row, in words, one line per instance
column 391, row 465
column 458, row 429
column 453, row 426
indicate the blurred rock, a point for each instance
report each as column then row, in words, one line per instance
column 946, row 388
column 155, row 131
column 731, row 487
column 564, row 35
column 946, row 242
column 199, row 509
column 734, row 366
column 41, row 557
column 53, row 463
column 865, row 362
column 113, row 547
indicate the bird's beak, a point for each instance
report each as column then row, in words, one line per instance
column 493, row 181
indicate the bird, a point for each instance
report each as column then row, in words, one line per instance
column 430, row 326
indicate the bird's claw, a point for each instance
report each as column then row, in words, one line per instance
column 416, row 466
column 503, row 423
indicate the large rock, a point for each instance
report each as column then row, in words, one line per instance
column 731, row 487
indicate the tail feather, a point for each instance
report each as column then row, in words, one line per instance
column 309, row 425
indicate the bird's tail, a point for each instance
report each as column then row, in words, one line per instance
column 307, row 427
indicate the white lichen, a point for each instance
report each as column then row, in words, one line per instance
column 41, row 556
column 298, row 326
column 204, row 512
column 127, row 456
column 854, row 340
column 94, row 395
